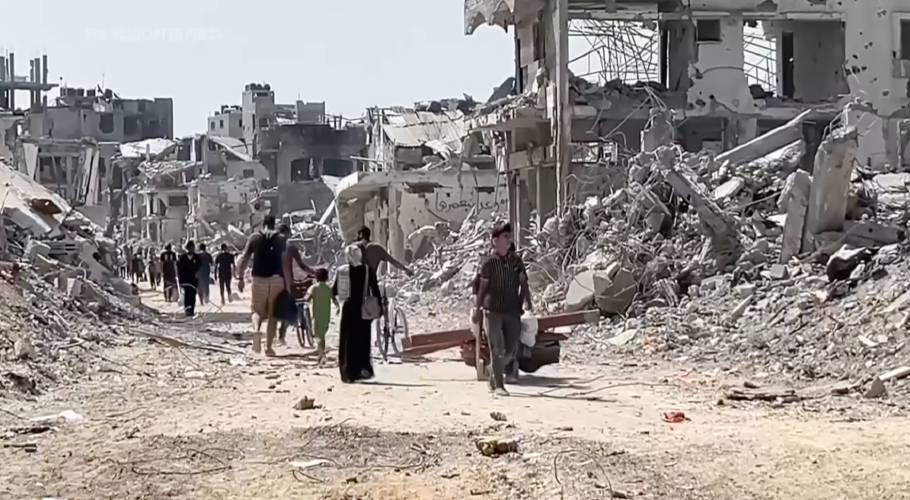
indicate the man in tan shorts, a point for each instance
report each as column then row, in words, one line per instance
column 266, row 248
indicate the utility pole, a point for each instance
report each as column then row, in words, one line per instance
column 563, row 102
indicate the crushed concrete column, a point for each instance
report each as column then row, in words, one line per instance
column 831, row 174
column 722, row 232
column 773, row 140
column 545, row 195
column 658, row 131
column 794, row 201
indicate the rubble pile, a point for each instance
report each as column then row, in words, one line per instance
column 743, row 260
column 59, row 291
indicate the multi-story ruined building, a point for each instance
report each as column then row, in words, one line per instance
column 104, row 116
column 70, row 146
column 588, row 73
column 226, row 122
column 289, row 147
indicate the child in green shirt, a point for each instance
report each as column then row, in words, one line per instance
column 320, row 297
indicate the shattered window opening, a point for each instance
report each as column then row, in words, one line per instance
column 300, row 170
column 178, row 201
column 708, row 30
column 106, row 123
column 905, row 40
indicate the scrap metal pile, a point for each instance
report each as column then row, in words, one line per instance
column 743, row 261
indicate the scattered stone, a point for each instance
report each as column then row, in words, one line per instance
column 23, row 349
column 498, row 416
column 778, row 272
column 876, row 389
column 494, row 446
column 306, row 403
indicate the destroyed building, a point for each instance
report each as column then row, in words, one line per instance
column 226, row 122
column 587, row 75
column 288, row 146
column 424, row 168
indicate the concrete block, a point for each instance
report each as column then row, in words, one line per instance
column 831, row 177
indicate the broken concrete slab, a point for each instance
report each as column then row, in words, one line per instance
column 769, row 142
column 658, row 131
column 879, row 234
column 618, row 295
column 794, row 202
column 844, row 261
column 895, row 374
column 831, row 176
column 728, row 189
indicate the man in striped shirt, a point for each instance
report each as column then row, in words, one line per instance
column 502, row 289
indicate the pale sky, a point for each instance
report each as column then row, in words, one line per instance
column 350, row 53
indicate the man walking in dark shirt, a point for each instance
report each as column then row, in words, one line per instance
column 502, row 288
column 224, row 265
column 188, row 276
column 205, row 274
column 169, row 273
column 266, row 249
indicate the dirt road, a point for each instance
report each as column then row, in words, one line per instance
column 165, row 422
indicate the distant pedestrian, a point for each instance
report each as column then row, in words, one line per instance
column 206, row 262
column 137, row 268
column 188, row 277
column 168, row 261
column 266, row 250
column 154, row 269
column 224, row 266
column 502, row 288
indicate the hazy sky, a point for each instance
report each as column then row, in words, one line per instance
column 349, row 53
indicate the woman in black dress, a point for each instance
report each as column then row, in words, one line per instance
column 354, row 356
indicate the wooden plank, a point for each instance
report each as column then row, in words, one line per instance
column 544, row 323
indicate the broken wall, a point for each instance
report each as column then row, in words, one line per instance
column 718, row 80
column 453, row 202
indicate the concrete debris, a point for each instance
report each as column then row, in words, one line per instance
column 306, row 403
column 876, row 389
column 743, row 258
column 491, row 446
column 895, row 374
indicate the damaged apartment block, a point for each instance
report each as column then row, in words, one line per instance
column 726, row 73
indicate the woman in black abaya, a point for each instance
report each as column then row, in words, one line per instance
column 354, row 356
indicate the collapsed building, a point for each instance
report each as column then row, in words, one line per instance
column 423, row 168
column 297, row 145
column 728, row 72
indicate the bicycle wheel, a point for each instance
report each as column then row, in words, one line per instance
column 399, row 330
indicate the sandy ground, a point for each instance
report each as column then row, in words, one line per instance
column 164, row 422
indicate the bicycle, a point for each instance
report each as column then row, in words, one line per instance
column 394, row 327
column 304, row 321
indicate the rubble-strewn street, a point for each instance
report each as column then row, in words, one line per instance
column 666, row 258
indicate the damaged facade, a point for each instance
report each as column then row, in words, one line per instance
column 587, row 76
column 288, row 146
column 424, row 168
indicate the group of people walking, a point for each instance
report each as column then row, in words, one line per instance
column 500, row 289
column 189, row 274
column 356, row 288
